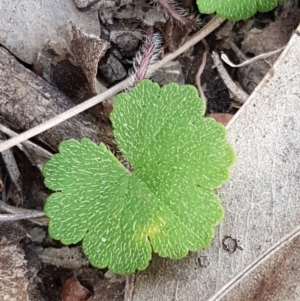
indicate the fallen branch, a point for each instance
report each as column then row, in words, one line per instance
column 26, row 101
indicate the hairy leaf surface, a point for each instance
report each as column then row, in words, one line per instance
column 165, row 204
column 235, row 10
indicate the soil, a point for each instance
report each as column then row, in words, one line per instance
column 47, row 278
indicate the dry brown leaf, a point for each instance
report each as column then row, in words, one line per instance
column 221, row 117
column 74, row 291
column 274, row 277
column 87, row 51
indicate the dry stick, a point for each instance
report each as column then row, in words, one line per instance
column 201, row 69
column 262, row 56
column 11, row 209
column 210, row 27
column 231, row 85
column 17, row 217
column 30, row 144
column 35, row 216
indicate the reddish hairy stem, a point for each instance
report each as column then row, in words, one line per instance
column 147, row 55
column 177, row 14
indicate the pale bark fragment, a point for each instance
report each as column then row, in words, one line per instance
column 13, row 283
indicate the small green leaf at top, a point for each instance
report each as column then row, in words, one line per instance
column 235, row 10
column 165, row 203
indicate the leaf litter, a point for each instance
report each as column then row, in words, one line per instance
column 286, row 35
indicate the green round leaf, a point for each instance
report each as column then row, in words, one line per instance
column 235, row 10
column 166, row 204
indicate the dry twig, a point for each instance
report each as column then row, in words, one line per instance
column 17, row 217
column 29, row 148
column 241, row 95
column 35, row 216
column 262, row 56
column 201, row 69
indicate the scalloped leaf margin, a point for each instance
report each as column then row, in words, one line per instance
column 166, row 204
column 235, row 10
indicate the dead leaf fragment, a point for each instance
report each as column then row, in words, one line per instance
column 273, row 277
column 87, row 51
column 74, row 291
column 221, row 117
